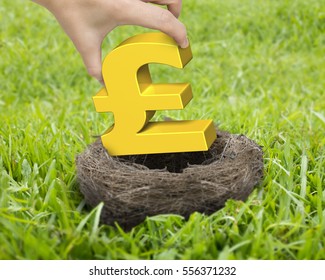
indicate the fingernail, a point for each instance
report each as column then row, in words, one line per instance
column 185, row 44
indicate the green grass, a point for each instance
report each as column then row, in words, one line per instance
column 258, row 69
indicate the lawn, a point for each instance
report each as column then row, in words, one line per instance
column 258, row 69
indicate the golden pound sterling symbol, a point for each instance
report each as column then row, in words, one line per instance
column 133, row 99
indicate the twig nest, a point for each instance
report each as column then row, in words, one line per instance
column 133, row 187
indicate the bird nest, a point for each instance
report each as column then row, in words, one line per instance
column 137, row 186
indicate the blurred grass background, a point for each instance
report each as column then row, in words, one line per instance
column 258, row 69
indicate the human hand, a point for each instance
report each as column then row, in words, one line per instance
column 87, row 22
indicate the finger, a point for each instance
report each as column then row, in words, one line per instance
column 174, row 6
column 154, row 17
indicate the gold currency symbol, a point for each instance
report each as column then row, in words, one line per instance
column 132, row 97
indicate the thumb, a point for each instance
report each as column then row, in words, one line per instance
column 90, row 52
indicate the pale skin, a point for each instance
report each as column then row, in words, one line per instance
column 87, row 22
